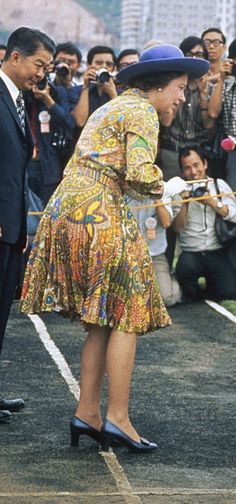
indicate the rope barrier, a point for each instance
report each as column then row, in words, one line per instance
column 175, row 202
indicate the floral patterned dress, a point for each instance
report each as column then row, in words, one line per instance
column 89, row 258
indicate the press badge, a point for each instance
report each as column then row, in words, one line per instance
column 151, row 225
column 44, row 119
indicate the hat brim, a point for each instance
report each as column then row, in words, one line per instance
column 194, row 67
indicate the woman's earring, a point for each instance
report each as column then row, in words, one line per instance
column 159, row 89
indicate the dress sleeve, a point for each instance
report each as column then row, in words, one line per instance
column 142, row 174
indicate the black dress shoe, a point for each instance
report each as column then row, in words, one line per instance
column 78, row 428
column 111, row 433
column 5, row 416
column 11, row 404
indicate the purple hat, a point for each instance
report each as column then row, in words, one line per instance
column 164, row 58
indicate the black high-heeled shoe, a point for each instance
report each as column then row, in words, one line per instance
column 78, row 428
column 111, row 433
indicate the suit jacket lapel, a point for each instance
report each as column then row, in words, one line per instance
column 6, row 97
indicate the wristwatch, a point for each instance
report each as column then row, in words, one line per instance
column 219, row 204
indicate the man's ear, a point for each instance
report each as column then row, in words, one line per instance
column 15, row 57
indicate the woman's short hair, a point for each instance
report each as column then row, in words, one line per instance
column 158, row 80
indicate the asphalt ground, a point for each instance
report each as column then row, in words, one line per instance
column 183, row 397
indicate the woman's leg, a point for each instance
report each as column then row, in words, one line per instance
column 119, row 365
column 93, row 360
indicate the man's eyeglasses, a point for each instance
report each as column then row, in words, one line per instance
column 101, row 63
column 215, row 42
column 197, row 54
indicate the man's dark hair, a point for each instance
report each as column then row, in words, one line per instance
column 27, row 41
column 99, row 49
column 126, row 52
column 190, row 42
column 217, row 30
column 2, row 46
column 69, row 48
column 232, row 49
column 186, row 151
column 158, row 80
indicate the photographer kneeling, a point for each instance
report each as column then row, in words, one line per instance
column 202, row 254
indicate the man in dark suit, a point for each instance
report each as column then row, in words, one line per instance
column 27, row 56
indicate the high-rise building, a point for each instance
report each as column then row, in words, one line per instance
column 172, row 21
column 131, row 22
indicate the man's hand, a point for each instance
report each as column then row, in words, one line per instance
column 43, row 95
column 109, row 88
column 90, row 74
column 226, row 68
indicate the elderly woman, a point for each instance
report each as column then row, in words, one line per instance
column 89, row 258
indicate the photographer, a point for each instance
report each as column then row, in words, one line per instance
column 223, row 104
column 52, row 126
column 67, row 62
column 99, row 86
column 202, row 255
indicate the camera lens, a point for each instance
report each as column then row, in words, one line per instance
column 102, row 75
column 62, row 70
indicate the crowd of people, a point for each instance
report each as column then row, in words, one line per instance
column 122, row 157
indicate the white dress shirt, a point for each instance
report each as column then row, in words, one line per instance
column 12, row 88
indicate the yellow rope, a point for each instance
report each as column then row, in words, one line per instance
column 175, row 202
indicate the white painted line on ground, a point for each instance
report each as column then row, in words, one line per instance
column 222, row 492
column 113, row 465
column 120, row 478
column 220, row 309
column 56, row 355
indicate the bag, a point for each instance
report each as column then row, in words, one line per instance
column 225, row 230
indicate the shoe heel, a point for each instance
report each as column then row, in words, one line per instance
column 74, row 439
column 106, row 440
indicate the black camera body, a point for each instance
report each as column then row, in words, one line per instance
column 198, row 191
column 42, row 84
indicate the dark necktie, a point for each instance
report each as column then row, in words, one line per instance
column 20, row 107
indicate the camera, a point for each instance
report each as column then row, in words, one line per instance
column 42, row 84
column 102, row 75
column 61, row 69
column 60, row 140
column 198, row 190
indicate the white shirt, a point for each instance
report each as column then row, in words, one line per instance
column 199, row 233
column 13, row 90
